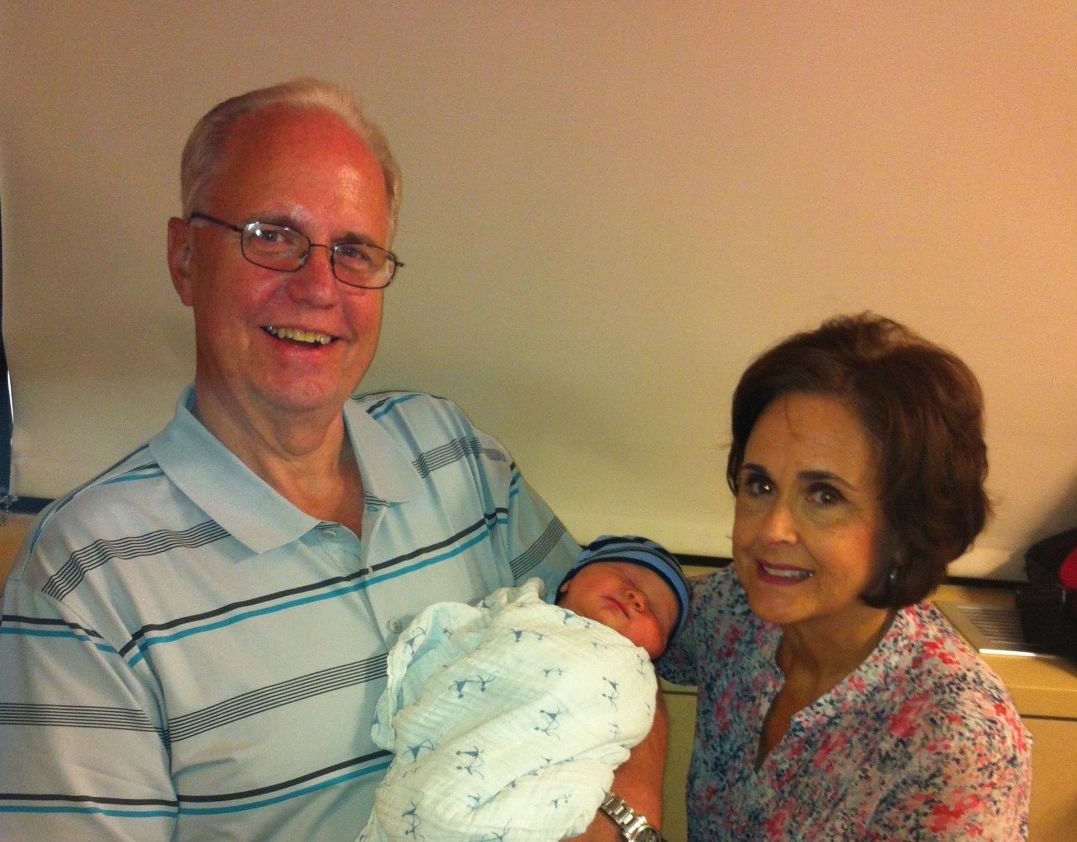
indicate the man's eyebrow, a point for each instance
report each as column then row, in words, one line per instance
column 273, row 219
column 286, row 221
column 352, row 237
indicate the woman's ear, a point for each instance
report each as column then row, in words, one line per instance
column 180, row 256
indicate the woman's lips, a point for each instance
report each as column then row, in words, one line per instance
column 783, row 573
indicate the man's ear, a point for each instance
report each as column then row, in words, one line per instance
column 180, row 255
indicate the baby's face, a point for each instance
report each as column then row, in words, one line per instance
column 628, row 598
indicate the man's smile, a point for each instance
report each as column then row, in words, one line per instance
column 295, row 334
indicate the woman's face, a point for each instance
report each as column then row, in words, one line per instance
column 808, row 524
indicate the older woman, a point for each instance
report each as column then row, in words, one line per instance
column 834, row 704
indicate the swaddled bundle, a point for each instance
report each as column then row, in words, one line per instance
column 507, row 716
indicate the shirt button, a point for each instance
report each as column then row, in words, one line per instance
column 331, row 534
column 395, row 625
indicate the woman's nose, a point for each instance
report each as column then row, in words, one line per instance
column 778, row 524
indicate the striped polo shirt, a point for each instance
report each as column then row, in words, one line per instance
column 184, row 655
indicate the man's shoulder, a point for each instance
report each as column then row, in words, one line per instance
column 405, row 404
column 416, row 417
column 119, row 492
column 131, row 498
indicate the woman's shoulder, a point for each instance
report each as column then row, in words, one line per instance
column 720, row 580
column 940, row 665
column 720, row 629
column 718, row 598
column 935, row 646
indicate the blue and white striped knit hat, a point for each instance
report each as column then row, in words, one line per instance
column 646, row 553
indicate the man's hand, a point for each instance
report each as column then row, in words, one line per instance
column 638, row 781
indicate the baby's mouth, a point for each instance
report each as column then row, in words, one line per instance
column 295, row 334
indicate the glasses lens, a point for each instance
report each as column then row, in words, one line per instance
column 274, row 246
column 363, row 265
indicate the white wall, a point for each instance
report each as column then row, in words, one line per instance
column 610, row 207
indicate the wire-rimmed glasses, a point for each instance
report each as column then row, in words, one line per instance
column 356, row 263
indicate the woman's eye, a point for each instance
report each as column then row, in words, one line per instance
column 756, row 485
column 825, row 495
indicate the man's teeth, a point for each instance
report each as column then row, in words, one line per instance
column 297, row 335
column 787, row 573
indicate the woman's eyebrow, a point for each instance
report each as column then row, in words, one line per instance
column 824, row 476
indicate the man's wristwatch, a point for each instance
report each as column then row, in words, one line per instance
column 633, row 828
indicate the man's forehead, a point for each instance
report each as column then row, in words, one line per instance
column 284, row 158
column 289, row 126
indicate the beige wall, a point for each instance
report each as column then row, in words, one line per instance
column 609, row 208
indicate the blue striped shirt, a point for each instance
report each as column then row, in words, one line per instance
column 184, row 655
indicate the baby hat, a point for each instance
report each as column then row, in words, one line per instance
column 646, row 553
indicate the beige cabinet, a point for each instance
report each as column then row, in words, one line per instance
column 1054, row 779
column 11, row 535
column 1045, row 690
column 1054, row 772
column 681, row 704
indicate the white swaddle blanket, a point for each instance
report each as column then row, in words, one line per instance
column 507, row 721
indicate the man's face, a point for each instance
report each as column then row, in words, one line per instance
column 276, row 345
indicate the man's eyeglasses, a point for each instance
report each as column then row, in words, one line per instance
column 355, row 263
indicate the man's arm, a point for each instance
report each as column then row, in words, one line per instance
column 80, row 754
column 638, row 781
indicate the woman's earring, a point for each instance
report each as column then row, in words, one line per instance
column 892, row 577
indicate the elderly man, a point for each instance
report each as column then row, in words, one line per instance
column 193, row 643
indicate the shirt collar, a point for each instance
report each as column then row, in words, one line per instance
column 387, row 469
column 250, row 509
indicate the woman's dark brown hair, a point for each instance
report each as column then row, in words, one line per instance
column 923, row 409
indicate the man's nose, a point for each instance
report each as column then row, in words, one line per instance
column 316, row 279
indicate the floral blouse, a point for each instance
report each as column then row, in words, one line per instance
column 921, row 742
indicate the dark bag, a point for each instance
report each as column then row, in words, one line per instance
column 1048, row 611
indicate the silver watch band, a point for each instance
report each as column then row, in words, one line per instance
column 631, row 825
